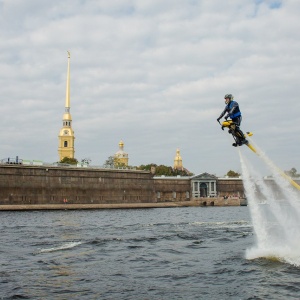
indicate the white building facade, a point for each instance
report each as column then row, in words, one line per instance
column 204, row 185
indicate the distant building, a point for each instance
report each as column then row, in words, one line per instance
column 121, row 157
column 204, row 185
column 66, row 134
column 178, row 161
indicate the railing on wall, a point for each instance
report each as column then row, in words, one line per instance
column 26, row 162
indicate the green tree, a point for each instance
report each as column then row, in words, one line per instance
column 292, row 173
column 231, row 173
column 70, row 161
column 146, row 167
column 165, row 170
column 109, row 163
column 114, row 162
column 183, row 172
column 86, row 161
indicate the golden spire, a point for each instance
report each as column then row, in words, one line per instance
column 67, row 118
column 66, row 135
column 68, row 83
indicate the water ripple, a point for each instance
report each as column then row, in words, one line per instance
column 194, row 253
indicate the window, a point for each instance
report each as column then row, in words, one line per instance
column 196, row 185
column 65, row 144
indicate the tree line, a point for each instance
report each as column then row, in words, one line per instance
column 114, row 162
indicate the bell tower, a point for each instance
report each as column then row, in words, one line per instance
column 178, row 161
column 66, row 134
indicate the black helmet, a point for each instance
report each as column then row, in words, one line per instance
column 229, row 96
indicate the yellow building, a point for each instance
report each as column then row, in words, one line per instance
column 66, row 135
column 178, row 161
column 121, row 157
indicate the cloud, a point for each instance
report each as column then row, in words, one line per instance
column 152, row 73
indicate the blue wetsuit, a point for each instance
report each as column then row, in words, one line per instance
column 234, row 113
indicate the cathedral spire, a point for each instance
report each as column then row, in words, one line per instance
column 68, row 83
column 66, row 135
column 67, row 118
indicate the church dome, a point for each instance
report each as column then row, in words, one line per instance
column 121, row 155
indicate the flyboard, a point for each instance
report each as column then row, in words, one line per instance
column 237, row 137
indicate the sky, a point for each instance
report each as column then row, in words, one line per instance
column 152, row 73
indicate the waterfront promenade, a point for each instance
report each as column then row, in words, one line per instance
column 69, row 206
column 97, row 206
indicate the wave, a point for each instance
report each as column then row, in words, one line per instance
column 65, row 246
column 241, row 223
column 283, row 254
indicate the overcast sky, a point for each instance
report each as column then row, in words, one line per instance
column 152, row 73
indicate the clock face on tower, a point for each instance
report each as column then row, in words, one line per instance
column 66, row 132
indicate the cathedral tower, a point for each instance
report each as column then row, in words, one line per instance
column 66, row 135
column 178, row 161
column 121, row 157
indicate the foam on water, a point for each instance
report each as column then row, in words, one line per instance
column 62, row 247
column 275, row 215
column 238, row 224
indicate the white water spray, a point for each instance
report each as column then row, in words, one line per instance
column 275, row 214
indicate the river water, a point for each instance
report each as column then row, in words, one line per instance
column 163, row 253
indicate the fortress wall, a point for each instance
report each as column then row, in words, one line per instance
column 230, row 187
column 172, row 189
column 53, row 185
column 233, row 187
column 25, row 185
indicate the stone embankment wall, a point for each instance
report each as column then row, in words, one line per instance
column 41, row 185
column 221, row 201
column 53, row 185
column 172, row 189
column 229, row 188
